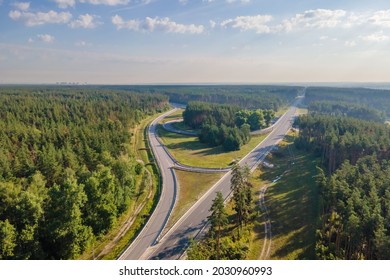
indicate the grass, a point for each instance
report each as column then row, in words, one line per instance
column 302, row 111
column 188, row 150
column 192, row 186
column 176, row 115
column 183, row 126
column 292, row 202
column 256, row 235
column 281, row 111
column 138, row 140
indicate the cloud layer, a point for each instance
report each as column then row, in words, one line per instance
column 156, row 24
column 39, row 18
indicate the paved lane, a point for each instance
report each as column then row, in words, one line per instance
column 172, row 245
column 157, row 221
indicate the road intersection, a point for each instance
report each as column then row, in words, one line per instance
column 149, row 244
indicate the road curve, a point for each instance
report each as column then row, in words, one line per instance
column 173, row 244
column 151, row 231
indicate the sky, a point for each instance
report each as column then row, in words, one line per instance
column 194, row 41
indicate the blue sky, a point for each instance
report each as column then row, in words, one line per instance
column 194, row 41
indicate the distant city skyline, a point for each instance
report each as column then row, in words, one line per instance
column 201, row 41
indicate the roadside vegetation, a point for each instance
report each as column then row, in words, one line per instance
column 67, row 170
column 228, row 236
column 112, row 244
column 292, row 201
column 293, row 236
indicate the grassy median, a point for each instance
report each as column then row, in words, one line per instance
column 188, row 150
column 192, row 186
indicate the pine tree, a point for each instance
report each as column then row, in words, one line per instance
column 217, row 219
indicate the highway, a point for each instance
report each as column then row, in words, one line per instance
column 174, row 243
column 158, row 219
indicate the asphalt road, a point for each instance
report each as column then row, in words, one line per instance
column 158, row 219
column 174, row 243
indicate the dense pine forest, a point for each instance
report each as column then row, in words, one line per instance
column 354, row 183
column 66, row 167
column 339, row 108
column 375, row 99
column 249, row 97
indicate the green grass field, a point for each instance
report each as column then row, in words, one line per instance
column 192, row 186
column 188, row 150
column 292, row 202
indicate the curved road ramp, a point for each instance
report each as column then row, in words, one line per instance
column 149, row 244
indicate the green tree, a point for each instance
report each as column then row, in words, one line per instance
column 269, row 115
column 217, row 219
column 256, row 120
column 7, row 240
column 242, row 197
column 66, row 234
column 101, row 209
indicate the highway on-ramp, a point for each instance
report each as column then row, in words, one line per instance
column 148, row 244
column 173, row 244
column 158, row 219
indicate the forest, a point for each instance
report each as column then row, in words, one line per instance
column 340, row 108
column 67, row 171
column 375, row 99
column 353, row 178
column 223, row 124
column 245, row 96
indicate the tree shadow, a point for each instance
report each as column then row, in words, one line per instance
column 180, row 241
column 291, row 203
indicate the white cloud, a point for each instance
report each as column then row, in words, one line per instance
column 46, row 38
column 156, row 24
column 350, row 44
column 212, row 24
column 85, row 21
column 234, row 1
column 375, row 37
column 39, row 18
column 82, row 44
column 244, row 23
column 106, row 2
column 380, row 18
column 23, row 6
column 320, row 18
column 65, row 3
